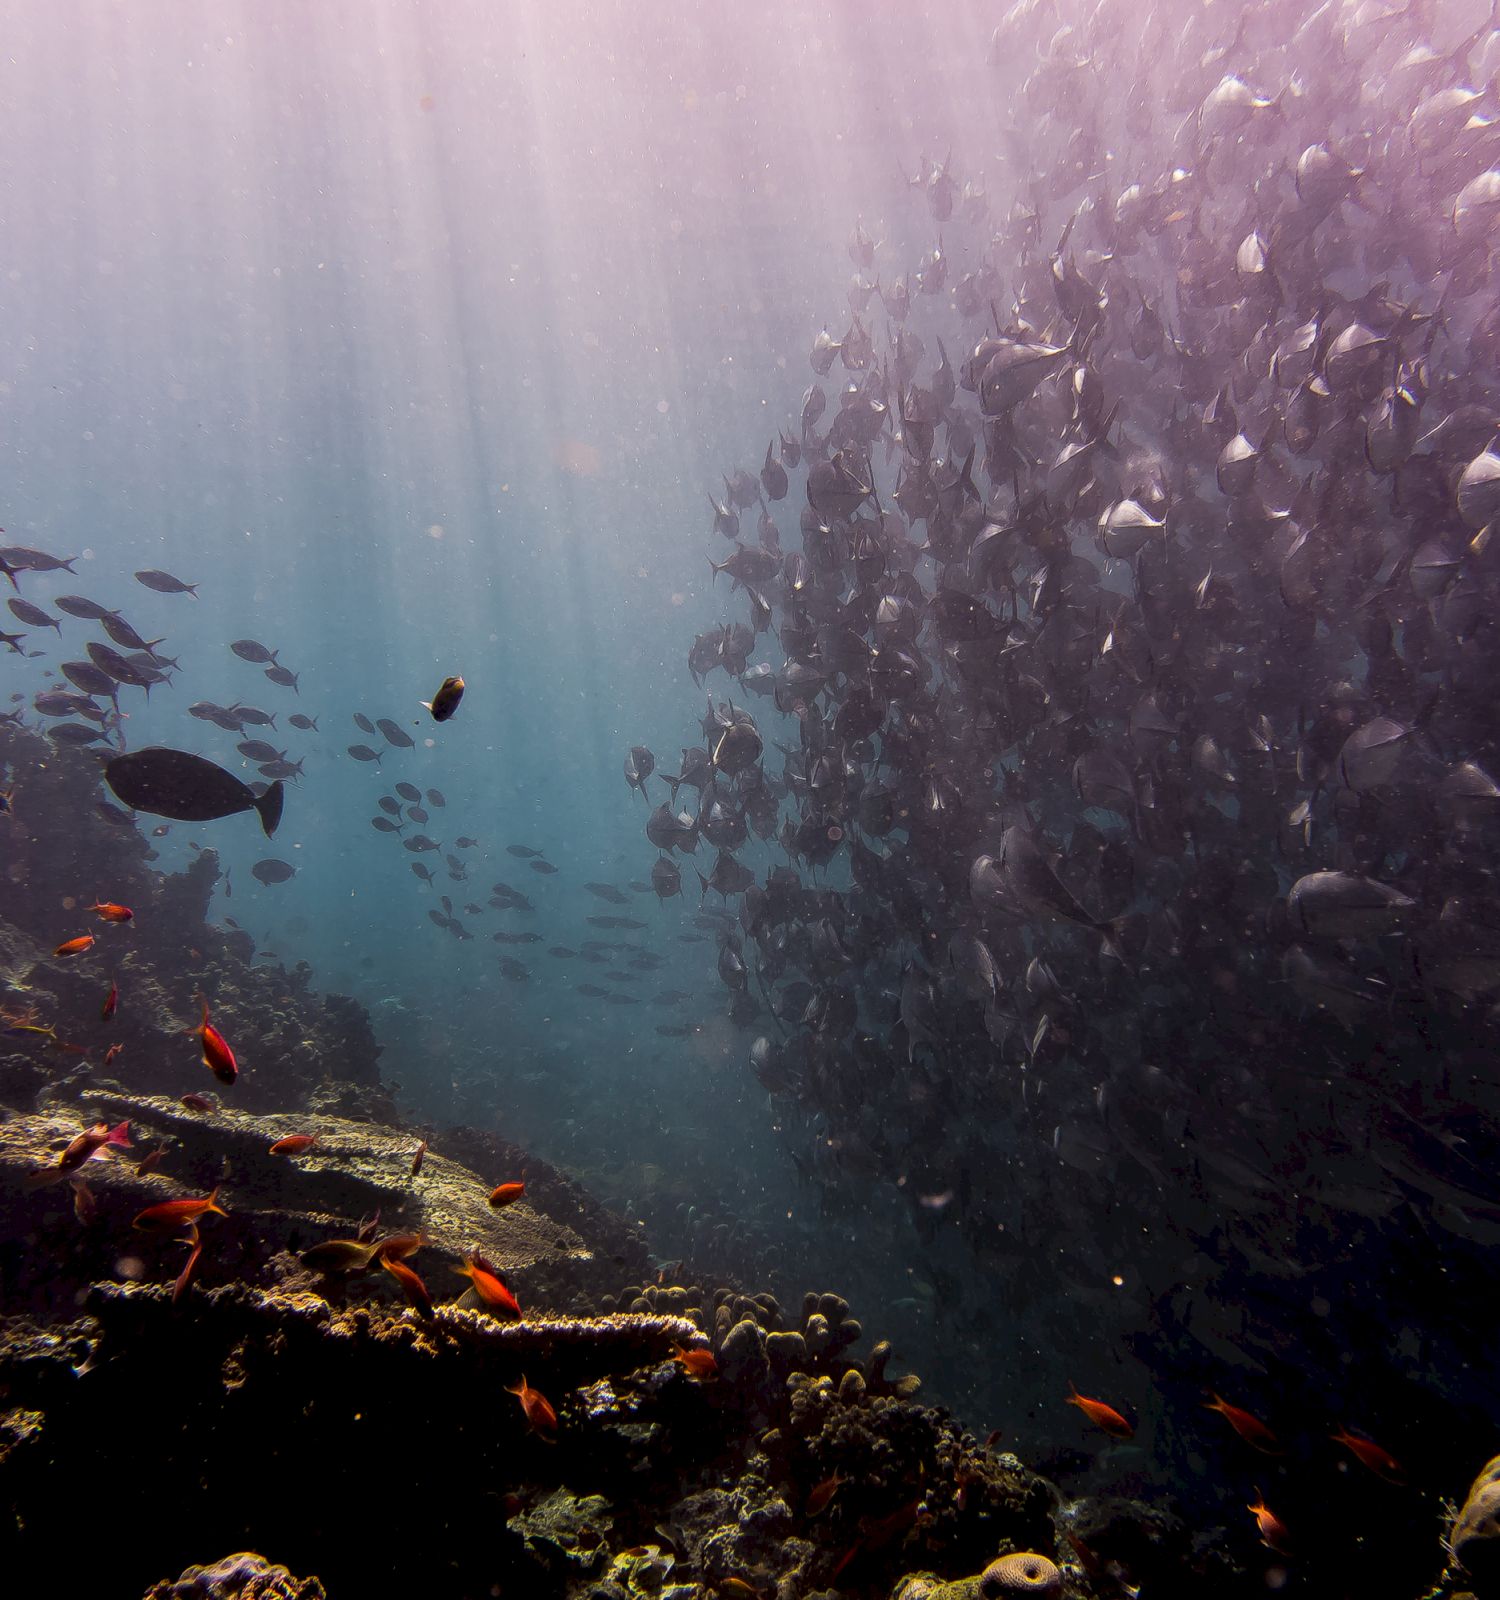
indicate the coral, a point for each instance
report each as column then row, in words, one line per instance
column 1021, row 1572
column 238, row 1577
column 1474, row 1538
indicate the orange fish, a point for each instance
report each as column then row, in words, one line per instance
column 150, row 1161
column 488, row 1285
column 1251, row 1429
column 294, row 1144
column 416, row 1160
column 697, row 1363
column 185, row 1277
column 173, row 1213
column 111, row 912
column 91, row 1145
column 818, row 1498
column 198, row 1102
column 540, row 1417
column 1273, row 1532
column 217, row 1056
column 85, row 1206
column 1102, row 1416
column 112, row 1054
column 507, row 1194
column 74, row 947
column 398, row 1246
column 1381, row 1462
column 111, row 1003
column 411, row 1285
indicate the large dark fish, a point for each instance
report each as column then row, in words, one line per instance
column 173, row 783
column 165, row 583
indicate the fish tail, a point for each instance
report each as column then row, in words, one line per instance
column 269, row 807
column 213, row 1203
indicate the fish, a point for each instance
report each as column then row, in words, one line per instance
column 435, row 798
column 190, row 1266
column 168, row 1215
column 197, row 1102
column 294, row 1144
column 446, row 701
column 217, row 1056
column 487, row 1285
column 506, row 1194
column 408, row 791
column 305, row 723
column 253, row 651
column 185, row 787
column 411, row 1285
column 1272, row 1529
column 395, row 735
column 75, row 947
column 1369, row 1454
column 109, row 911
column 341, row 1255
column 536, row 1408
column 94, row 1144
column 362, row 752
column 820, row 1496
column 111, row 1003
column 1251, row 1429
column 1102, row 1416
column 417, row 1155
column 272, row 871
column 165, row 583
column 696, row 1362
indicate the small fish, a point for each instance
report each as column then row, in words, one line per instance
column 74, row 947
column 1251, row 1429
column 112, row 1054
column 1102, row 1416
column 506, row 1194
column 165, row 583
column 1381, row 1462
column 819, row 1497
column 445, row 702
column 217, row 1056
column 540, row 1417
column 411, row 1285
column 170, row 1214
column 294, row 1144
column 253, row 650
column 111, row 1003
column 85, row 1204
column 306, row 724
column 110, row 912
column 151, row 1160
column 190, row 1267
column 197, row 1102
column 488, row 1286
column 697, row 1363
column 416, row 1160
column 1273, row 1532
column 340, row 1255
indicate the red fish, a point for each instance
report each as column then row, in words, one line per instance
column 416, row 1160
column 111, row 912
column 74, row 947
column 818, row 1498
column 506, row 1194
column 1381, row 1462
column 112, row 1054
column 488, row 1285
column 91, row 1145
column 1273, row 1532
column 540, row 1417
column 294, row 1144
column 111, row 1003
column 198, row 1102
column 150, row 1161
column 1102, row 1416
column 85, row 1206
column 217, row 1056
column 185, row 1277
column 396, row 1246
column 697, row 1363
column 411, row 1285
column 173, row 1213
column 1251, row 1429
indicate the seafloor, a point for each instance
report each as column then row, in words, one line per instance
column 155, row 1422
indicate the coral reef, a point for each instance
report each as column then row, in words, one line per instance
column 1474, row 1536
column 238, row 1577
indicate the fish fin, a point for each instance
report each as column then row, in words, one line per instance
column 269, row 807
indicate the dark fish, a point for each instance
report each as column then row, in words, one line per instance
column 362, row 752
column 284, row 677
column 394, row 734
column 435, row 798
column 417, row 814
column 259, row 750
column 523, row 852
column 639, row 765
column 306, row 724
column 173, row 783
column 272, row 871
column 607, row 891
column 408, row 791
column 390, row 805
column 384, row 825
column 165, row 583
column 253, row 651
column 20, row 559
column 363, row 723
column 33, row 616
column 463, row 842
column 541, row 866
column 91, row 679
column 446, row 701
